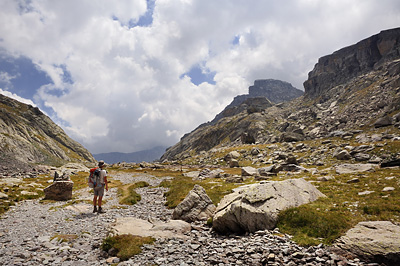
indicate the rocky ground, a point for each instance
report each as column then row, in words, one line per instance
column 31, row 233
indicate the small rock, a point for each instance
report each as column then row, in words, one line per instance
column 365, row 193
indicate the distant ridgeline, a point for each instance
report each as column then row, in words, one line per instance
column 133, row 157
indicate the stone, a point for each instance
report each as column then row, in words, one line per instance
column 256, row 207
column 192, row 174
column 291, row 137
column 361, row 157
column 233, row 163
column 291, row 159
column 234, row 179
column 375, row 241
column 386, row 189
column 341, row 154
column 383, row 122
column 10, row 181
column 354, row 168
column 391, row 162
column 197, row 206
column 59, row 190
column 3, row 195
column 207, row 173
column 249, row 171
column 325, row 178
column 268, row 170
column 139, row 227
column 28, row 193
column 231, row 155
column 367, row 192
column 353, row 180
column 254, row 151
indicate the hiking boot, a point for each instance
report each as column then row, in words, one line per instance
column 94, row 209
column 100, row 210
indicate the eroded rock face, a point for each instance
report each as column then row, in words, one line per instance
column 352, row 61
column 197, row 206
column 59, row 190
column 256, row 207
column 377, row 241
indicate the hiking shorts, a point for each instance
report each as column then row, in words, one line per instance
column 99, row 191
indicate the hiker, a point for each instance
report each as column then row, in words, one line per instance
column 99, row 190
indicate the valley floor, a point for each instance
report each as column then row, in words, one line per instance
column 68, row 233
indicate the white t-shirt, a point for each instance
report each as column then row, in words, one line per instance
column 103, row 174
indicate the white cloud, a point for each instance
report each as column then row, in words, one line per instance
column 16, row 97
column 6, row 78
column 126, row 92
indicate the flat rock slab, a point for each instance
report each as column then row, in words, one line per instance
column 139, row 227
column 377, row 241
column 80, row 208
column 354, row 168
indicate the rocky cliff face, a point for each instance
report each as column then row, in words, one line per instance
column 356, row 89
column 275, row 91
column 353, row 61
column 27, row 136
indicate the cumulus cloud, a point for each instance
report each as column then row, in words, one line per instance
column 16, row 97
column 121, row 86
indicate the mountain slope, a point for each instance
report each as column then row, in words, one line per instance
column 28, row 136
column 346, row 92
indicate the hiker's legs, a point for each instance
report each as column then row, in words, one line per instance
column 100, row 194
column 95, row 200
column 99, row 201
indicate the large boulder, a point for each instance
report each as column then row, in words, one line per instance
column 256, row 207
column 197, row 206
column 377, row 241
column 59, row 190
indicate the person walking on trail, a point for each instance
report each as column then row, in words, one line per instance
column 99, row 189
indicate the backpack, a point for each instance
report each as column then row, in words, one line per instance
column 94, row 178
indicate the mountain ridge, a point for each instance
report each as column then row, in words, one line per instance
column 28, row 136
column 149, row 155
column 355, row 101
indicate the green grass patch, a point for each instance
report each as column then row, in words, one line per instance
column 180, row 186
column 128, row 194
column 125, row 246
column 311, row 226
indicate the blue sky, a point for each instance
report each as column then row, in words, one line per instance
column 130, row 75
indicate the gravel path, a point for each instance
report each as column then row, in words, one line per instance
column 28, row 230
